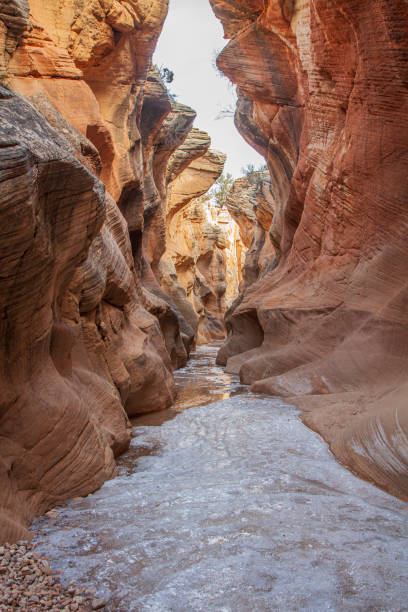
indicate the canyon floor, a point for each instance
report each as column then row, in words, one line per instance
column 233, row 505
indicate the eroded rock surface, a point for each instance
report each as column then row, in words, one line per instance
column 89, row 337
column 52, row 208
column 251, row 205
column 193, row 269
column 323, row 96
column 202, row 267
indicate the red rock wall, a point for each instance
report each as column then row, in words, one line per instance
column 89, row 338
column 252, row 206
column 52, row 208
column 323, row 96
column 81, row 349
column 193, row 269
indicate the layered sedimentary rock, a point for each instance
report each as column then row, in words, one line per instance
column 89, row 61
column 13, row 22
column 251, row 205
column 52, row 208
column 193, row 269
column 234, row 253
column 86, row 340
column 323, row 96
column 162, row 135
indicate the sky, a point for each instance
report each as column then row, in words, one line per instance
column 190, row 40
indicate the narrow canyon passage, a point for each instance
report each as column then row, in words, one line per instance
column 204, row 305
column 233, row 505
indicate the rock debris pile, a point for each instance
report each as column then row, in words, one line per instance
column 27, row 582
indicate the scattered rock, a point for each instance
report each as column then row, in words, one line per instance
column 26, row 584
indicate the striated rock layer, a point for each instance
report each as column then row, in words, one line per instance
column 234, row 253
column 88, row 136
column 81, row 349
column 193, row 269
column 251, row 204
column 323, row 96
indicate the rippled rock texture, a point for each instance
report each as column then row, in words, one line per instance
column 52, row 208
column 323, row 96
column 251, row 204
column 194, row 267
column 89, row 338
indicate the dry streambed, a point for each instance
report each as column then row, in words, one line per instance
column 232, row 506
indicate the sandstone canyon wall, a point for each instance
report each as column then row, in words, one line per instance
column 89, row 337
column 194, row 265
column 323, row 96
column 234, row 253
column 80, row 349
column 251, row 204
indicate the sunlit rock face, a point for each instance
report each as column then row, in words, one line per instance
column 162, row 136
column 193, row 269
column 323, row 96
column 13, row 21
column 251, row 205
column 92, row 67
column 85, row 341
column 89, row 61
column 234, row 252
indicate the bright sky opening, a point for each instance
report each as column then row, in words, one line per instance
column 191, row 38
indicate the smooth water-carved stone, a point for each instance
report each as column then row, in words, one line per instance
column 322, row 95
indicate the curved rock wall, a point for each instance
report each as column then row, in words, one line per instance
column 234, row 253
column 52, row 208
column 80, row 350
column 89, row 338
column 323, row 96
column 251, row 204
column 201, row 267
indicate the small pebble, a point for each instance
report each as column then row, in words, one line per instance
column 97, row 604
column 52, row 513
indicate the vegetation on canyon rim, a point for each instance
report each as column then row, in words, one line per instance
column 219, row 192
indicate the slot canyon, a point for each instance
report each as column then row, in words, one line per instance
column 204, row 377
